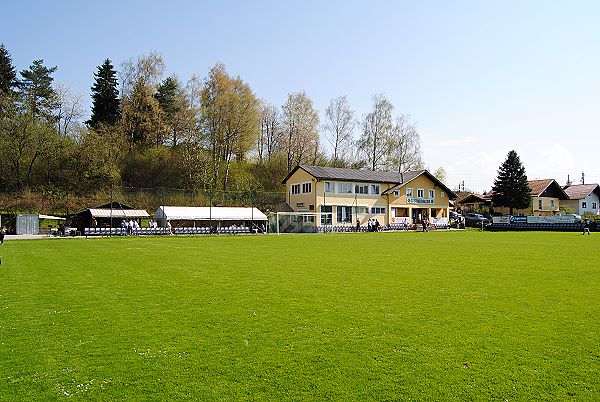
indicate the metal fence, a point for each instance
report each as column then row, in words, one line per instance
column 150, row 199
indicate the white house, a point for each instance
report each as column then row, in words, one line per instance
column 583, row 198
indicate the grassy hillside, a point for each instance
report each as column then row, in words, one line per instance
column 415, row 316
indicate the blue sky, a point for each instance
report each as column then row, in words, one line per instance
column 479, row 78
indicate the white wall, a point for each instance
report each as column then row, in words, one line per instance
column 589, row 200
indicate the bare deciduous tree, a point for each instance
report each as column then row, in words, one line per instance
column 404, row 146
column 339, row 126
column 69, row 109
column 377, row 127
column 300, row 122
column 440, row 174
column 147, row 69
column 271, row 135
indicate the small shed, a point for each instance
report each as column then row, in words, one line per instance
column 30, row 223
column 106, row 214
column 209, row 216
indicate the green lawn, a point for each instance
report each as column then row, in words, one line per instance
column 379, row 316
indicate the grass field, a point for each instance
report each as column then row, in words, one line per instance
column 380, row 316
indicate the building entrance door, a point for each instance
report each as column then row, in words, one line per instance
column 418, row 214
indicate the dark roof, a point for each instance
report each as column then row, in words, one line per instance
column 579, row 191
column 331, row 173
column 115, row 205
column 368, row 176
column 473, row 198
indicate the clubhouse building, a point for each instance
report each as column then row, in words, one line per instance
column 352, row 194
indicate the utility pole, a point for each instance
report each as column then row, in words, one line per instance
column 111, row 210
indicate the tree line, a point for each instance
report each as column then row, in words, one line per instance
column 148, row 130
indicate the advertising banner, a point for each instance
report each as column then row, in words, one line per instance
column 551, row 219
column 439, row 221
column 401, row 220
column 501, row 219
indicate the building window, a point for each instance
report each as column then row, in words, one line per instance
column 361, row 189
column 442, row 194
column 329, row 187
column 431, row 193
column 345, row 188
column 344, row 214
column 375, row 189
column 397, row 193
column 361, row 210
column 551, row 204
column 540, row 205
column 409, row 192
column 306, row 187
column 378, row 210
column 594, row 205
column 420, row 193
column 583, row 204
column 295, row 189
column 326, row 219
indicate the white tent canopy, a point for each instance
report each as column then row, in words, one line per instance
column 209, row 213
column 51, row 217
column 118, row 213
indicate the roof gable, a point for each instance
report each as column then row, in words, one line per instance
column 580, row 191
column 547, row 188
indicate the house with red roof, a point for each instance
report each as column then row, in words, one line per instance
column 546, row 198
column 583, row 198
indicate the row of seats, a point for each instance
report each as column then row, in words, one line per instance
column 558, row 227
column 103, row 232
column 191, row 231
column 165, row 231
column 363, row 228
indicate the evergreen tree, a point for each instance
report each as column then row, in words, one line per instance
column 36, row 89
column 105, row 100
column 8, row 76
column 168, row 95
column 510, row 187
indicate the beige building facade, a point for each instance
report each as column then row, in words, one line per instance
column 352, row 195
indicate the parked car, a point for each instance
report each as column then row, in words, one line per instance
column 475, row 220
column 576, row 217
column 455, row 216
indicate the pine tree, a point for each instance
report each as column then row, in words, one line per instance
column 510, row 187
column 105, row 97
column 8, row 76
column 36, row 89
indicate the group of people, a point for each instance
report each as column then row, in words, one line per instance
column 129, row 226
column 372, row 225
